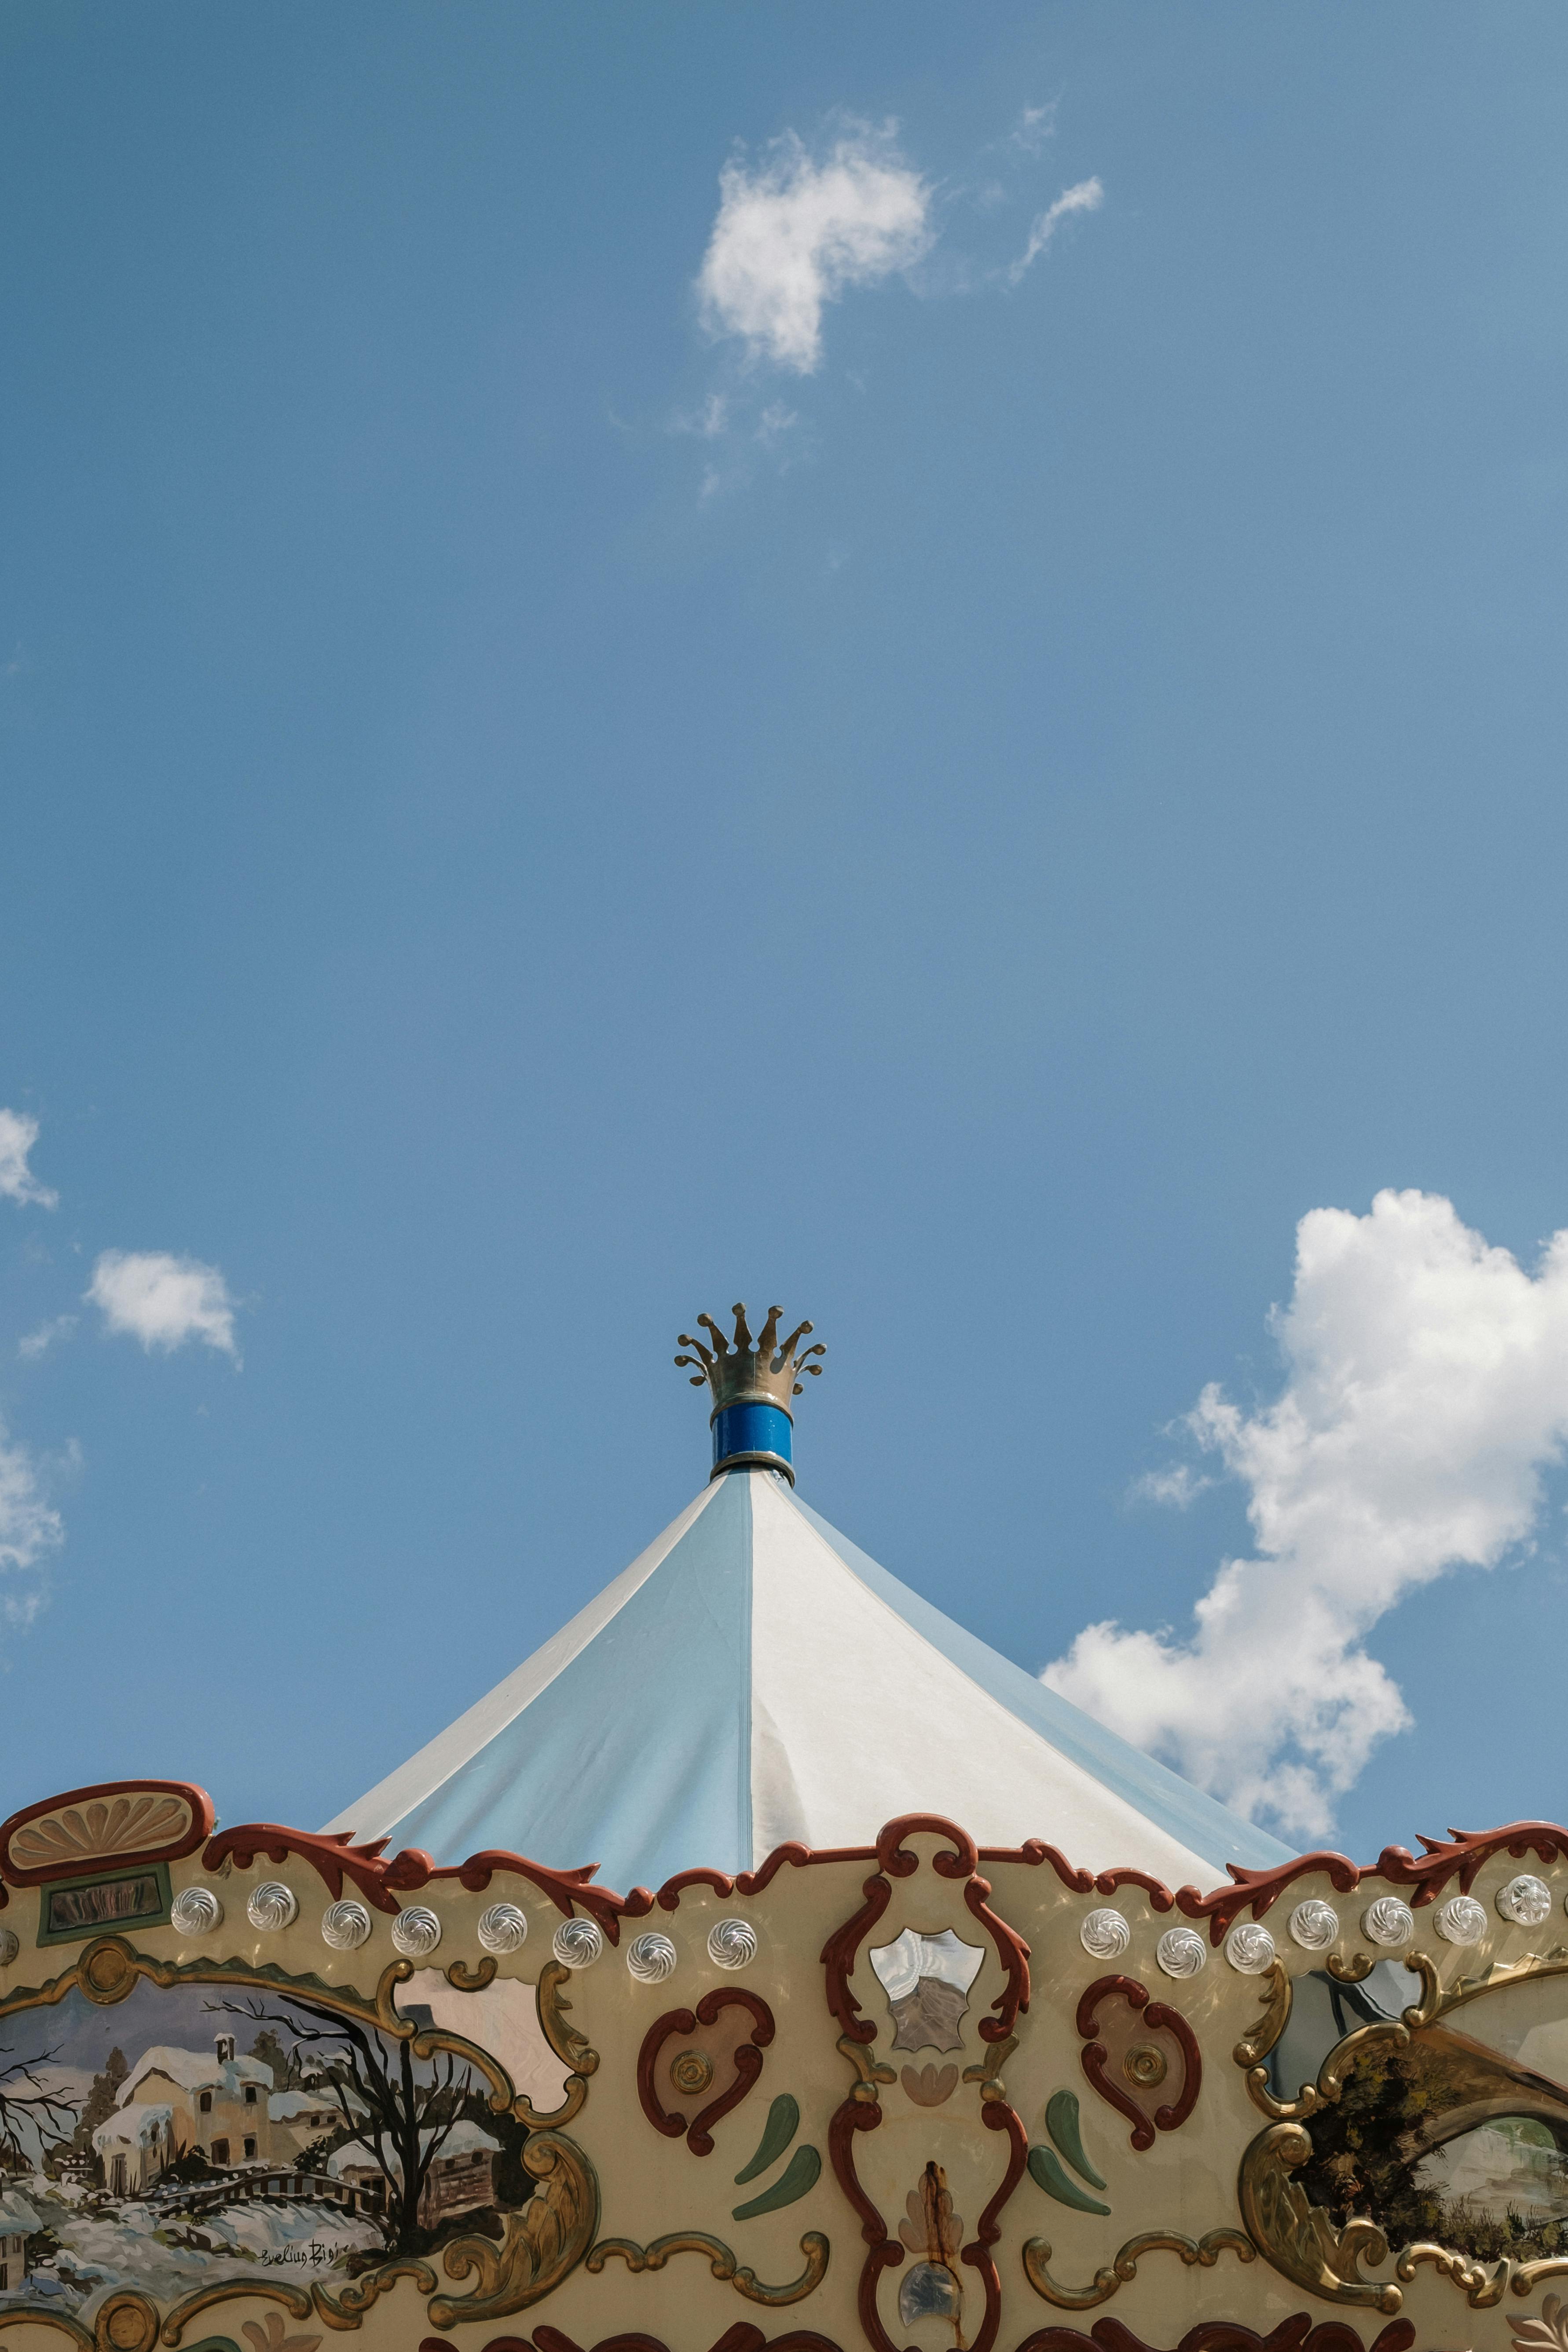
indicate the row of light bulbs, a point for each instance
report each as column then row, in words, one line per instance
column 1524, row 1902
column 416, row 1931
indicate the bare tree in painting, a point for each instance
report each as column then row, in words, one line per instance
column 401, row 2120
column 26, row 2104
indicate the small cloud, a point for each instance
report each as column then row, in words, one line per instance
column 1034, row 127
column 34, row 1343
column 1176, row 1488
column 774, row 422
column 707, row 422
column 794, row 234
column 29, row 1529
column 164, row 1300
column 18, row 1133
column 1086, row 198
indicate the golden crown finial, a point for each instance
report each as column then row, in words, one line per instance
column 743, row 1371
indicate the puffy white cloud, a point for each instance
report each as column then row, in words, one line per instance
column 164, row 1300
column 792, row 235
column 29, row 1528
column 1086, row 198
column 18, row 1133
column 1426, row 1395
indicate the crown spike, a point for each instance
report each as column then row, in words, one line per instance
column 720, row 1342
column 752, row 1383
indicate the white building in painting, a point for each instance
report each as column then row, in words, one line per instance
column 220, row 2105
column 18, row 2224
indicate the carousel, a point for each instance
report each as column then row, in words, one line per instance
column 933, row 2015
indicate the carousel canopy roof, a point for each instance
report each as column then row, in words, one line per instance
column 753, row 1678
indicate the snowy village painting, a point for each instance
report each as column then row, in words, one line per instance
column 202, row 2134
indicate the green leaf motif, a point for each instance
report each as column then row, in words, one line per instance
column 804, row 2169
column 1045, row 2169
column 1062, row 2122
column 782, row 2123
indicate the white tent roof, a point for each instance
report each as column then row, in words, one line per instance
column 753, row 1678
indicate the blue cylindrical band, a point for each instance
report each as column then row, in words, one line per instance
column 751, row 1432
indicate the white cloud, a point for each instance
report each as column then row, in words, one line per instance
column 29, row 1528
column 1176, row 1487
column 34, row 1343
column 1086, row 198
column 164, row 1300
column 18, row 1133
column 794, row 234
column 1425, row 1394
column 1034, row 127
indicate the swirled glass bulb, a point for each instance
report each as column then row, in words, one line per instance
column 578, row 1943
column 1249, row 1947
column 345, row 1925
column 1315, row 1924
column 1388, row 1921
column 503, row 1927
column 416, row 1931
column 196, row 1911
column 1104, row 1935
column 732, row 1943
column 1182, row 1952
column 272, row 1905
column 651, row 1958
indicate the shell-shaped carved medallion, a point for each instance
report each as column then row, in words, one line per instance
column 196, row 1911
column 503, row 1927
column 272, row 1905
column 100, row 1828
column 416, row 1931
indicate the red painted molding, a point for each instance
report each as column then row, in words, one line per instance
column 332, row 1859
column 107, row 1791
column 996, row 2115
column 1299, row 2334
column 1462, row 1854
column 747, row 2062
column 565, row 1887
column 743, row 2337
column 1156, row 2015
column 380, row 1880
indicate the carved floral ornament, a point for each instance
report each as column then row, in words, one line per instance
column 909, row 2093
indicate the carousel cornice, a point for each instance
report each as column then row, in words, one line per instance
column 931, row 2086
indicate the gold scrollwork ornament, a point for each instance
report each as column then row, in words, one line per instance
column 1123, row 2267
column 543, row 2244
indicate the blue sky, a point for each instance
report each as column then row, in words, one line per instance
column 610, row 703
